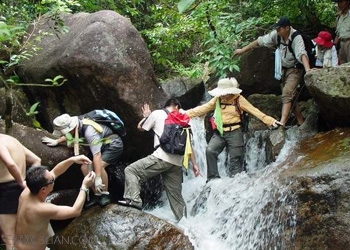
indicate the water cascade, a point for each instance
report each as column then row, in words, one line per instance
column 253, row 210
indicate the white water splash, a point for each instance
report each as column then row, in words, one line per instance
column 250, row 211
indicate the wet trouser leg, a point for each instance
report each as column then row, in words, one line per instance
column 148, row 167
column 140, row 170
column 172, row 179
column 235, row 151
column 214, row 148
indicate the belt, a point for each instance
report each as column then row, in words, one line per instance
column 296, row 66
column 231, row 127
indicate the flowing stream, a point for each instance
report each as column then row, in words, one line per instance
column 253, row 210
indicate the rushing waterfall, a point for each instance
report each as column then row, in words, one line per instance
column 253, row 210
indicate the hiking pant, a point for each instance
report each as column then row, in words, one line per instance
column 148, row 167
column 233, row 141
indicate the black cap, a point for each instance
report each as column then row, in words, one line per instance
column 282, row 22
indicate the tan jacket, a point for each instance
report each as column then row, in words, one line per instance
column 229, row 113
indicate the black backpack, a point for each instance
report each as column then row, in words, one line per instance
column 173, row 138
column 309, row 47
column 108, row 118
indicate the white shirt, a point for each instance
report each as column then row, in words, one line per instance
column 155, row 121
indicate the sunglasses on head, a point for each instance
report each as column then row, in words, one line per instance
column 49, row 182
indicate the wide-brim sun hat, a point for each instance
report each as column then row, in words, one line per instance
column 324, row 39
column 64, row 124
column 226, row 86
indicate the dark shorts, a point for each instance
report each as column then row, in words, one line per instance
column 111, row 152
column 9, row 194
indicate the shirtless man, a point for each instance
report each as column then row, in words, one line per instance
column 13, row 160
column 34, row 214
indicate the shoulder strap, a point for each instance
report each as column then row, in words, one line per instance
column 238, row 106
column 94, row 124
column 166, row 111
column 278, row 41
column 296, row 33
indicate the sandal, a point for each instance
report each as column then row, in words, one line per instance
column 130, row 203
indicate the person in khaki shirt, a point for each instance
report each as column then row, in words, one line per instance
column 227, row 119
column 13, row 160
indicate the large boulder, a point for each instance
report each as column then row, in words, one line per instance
column 321, row 186
column 188, row 91
column 13, row 105
column 330, row 88
column 117, row 227
column 257, row 72
column 107, row 65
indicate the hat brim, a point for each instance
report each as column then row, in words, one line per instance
column 221, row 92
column 275, row 26
column 321, row 42
column 72, row 125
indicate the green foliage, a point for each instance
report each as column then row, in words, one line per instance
column 16, row 17
column 32, row 112
column 182, row 36
column 55, row 82
column 184, row 5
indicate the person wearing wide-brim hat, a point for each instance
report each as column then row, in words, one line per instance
column 103, row 154
column 227, row 104
column 326, row 53
column 342, row 38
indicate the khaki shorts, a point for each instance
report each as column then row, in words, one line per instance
column 344, row 52
column 290, row 80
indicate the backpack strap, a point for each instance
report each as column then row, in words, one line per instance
column 294, row 34
column 166, row 111
column 239, row 111
column 94, row 124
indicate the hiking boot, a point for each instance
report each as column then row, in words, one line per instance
column 94, row 200
column 130, row 203
column 104, row 200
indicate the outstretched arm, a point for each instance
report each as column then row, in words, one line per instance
column 53, row 142
column 62, row 167
column 243, row 50
column 65, row 212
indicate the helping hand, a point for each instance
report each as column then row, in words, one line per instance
column 276, row 123
column 49, row 142
column 238, row 52
column 81, row 159
column 99, row 186
column 89, row 179
column 182, row 111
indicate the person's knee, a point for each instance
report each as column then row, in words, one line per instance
column 210, row 151
column 287, row 98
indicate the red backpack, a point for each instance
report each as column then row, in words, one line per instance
column 173, row 138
